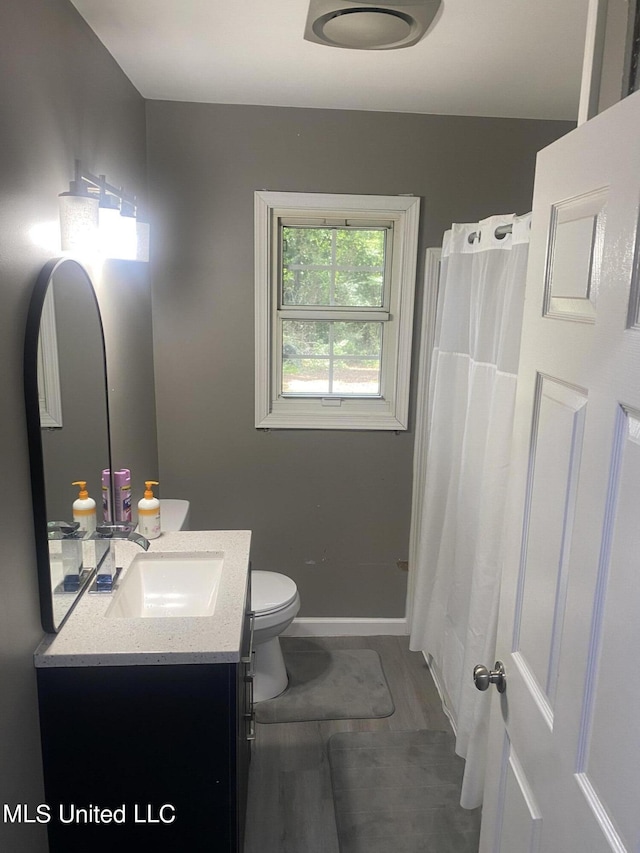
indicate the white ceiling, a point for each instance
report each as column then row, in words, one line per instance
column 510, row 58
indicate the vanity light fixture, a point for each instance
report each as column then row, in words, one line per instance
column 369, row 26
column 99, row 218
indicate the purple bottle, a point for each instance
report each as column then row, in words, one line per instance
column 122, row 490
column 106, row 495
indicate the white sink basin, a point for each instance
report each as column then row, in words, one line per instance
column 168, row 584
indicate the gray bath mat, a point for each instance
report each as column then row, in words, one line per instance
column 400, row 791
column 329, row 685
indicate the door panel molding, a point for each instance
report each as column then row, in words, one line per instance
column 574, row 257
column 556, row 446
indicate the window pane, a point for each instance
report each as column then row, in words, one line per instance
column 306, row 246
column 353, row 288
column 306, row 286
column 357, row 338
column 305, row 375
column 333, row 266
column 360, row 247
column 360, row 263
column 305, row 337
column 356, row 376
column 331, row 357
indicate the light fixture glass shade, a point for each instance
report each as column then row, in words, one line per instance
column 109, row 220
column 117, row 235
column 367, row 29
column 78, row 223
column 142, row 241
column 128, row 240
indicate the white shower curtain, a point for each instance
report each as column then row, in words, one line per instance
column 458, row 536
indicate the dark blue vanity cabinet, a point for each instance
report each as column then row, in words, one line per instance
column 148, row 757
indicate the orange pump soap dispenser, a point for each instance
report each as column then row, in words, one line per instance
column 149, row 512
column 84, row 508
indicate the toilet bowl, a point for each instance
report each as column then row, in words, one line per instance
column 275, row 602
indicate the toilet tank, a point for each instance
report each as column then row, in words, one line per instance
column 174, row 515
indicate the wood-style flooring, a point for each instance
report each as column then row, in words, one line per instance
column 290, row 807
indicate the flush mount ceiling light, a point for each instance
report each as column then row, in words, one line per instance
column 369, row 26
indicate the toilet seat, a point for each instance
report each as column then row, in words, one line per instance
column 271, row 592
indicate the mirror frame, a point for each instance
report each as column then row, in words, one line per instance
column 34, row 433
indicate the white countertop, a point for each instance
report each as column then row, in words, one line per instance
column 88, row 638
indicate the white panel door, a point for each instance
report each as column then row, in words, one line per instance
column 564, row 761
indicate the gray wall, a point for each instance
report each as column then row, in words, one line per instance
column 125, row 301
column 61, row 96
column 331, row 509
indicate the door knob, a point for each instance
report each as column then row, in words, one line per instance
column 483, row 677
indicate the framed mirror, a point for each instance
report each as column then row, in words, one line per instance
column 65, row 382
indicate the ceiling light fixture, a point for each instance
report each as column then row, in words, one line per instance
column 97, row 217
column 369, row 26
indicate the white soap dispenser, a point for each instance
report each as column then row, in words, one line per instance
column 84, row 508
column 149, row 512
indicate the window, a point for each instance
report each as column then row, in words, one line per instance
column 335, row 278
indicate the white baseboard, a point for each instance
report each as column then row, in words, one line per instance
column 437, row 680
column 319, row 626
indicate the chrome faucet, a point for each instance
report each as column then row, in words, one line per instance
column 68, row 549
column 106, row 573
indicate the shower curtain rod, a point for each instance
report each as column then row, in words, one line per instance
column 500, row 232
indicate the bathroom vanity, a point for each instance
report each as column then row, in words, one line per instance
column 146, row 723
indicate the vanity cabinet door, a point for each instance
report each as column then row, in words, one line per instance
column 151, row 746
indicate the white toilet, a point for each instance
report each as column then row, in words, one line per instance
column 275, row 602
column 174, row 515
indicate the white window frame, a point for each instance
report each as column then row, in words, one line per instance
column 390, row 410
